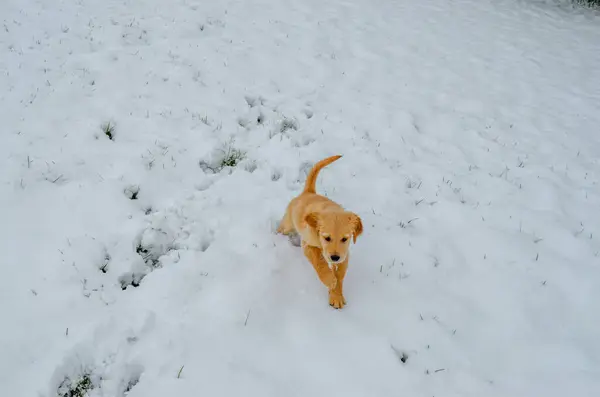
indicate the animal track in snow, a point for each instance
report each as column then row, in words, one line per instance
column 276, row 175
column 254, row 101
column 158, row 245
column 132, row 192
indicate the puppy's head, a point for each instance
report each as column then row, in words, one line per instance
column 335, row 230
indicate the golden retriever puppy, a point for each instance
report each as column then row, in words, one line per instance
column 326, row 230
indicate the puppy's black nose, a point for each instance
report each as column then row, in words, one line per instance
column 335, row 258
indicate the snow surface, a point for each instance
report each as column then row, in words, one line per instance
column 469, row 130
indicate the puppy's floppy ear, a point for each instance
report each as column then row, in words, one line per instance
column 358, row 226
column 312, row 219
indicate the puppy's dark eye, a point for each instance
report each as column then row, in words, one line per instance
column 344, row 239
column 327, row 238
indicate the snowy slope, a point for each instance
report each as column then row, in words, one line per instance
column 469, row 130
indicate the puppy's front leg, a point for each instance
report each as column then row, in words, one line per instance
column 326, row 275
column 336, row 296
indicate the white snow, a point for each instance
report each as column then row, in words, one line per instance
column 469, row 130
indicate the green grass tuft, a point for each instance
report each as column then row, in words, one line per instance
column 75, row 388
column 108, row 129
column 588, row 3
column 288, row 124
column 231, row 158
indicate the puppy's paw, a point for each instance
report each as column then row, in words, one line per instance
column 336, row 300
column 295, row 239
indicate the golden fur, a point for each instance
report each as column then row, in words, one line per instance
column 326, row 230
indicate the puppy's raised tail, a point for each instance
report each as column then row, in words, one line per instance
column 311, row 179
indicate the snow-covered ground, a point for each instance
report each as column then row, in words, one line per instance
column 136, row 266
